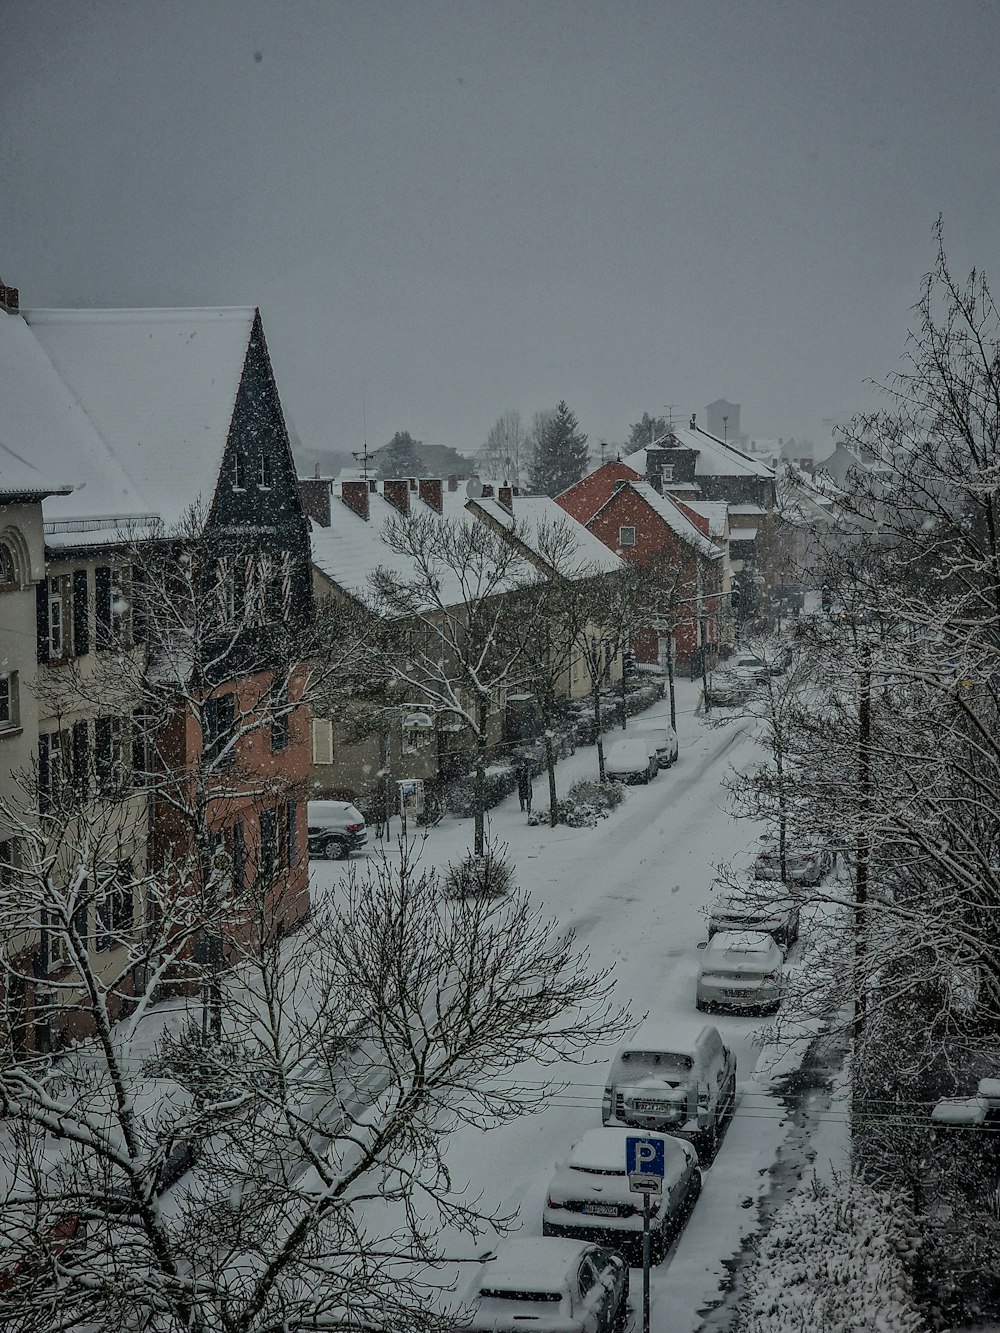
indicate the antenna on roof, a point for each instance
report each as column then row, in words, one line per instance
column 669, row 409
column 365, row 457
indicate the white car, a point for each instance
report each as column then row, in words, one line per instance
column 553, row 1286
column 805, row 862
column 665, row 739
column 589, row 1196
column 630, row 761
column 741, row 971
column 760, row 905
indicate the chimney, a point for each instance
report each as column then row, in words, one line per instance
column 453, row 483
column 314, row 493
column 355, row 495
column 487, row 493
column 413, row 483
column 372, row 486
column 505, row 496
column 8, row 299
column 397, row 493
column 431, row 492
column 691, row 425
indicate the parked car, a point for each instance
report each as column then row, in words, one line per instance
column 741, row 971
column 336, row 828
column 727, row 691
column 630, row 761
column 759, row 905
column 665, row 739
column 806, row 862
column 559, row 1286
column 589, row 1196
column 680, row 1080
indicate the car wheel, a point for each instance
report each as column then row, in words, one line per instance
column 335, row 849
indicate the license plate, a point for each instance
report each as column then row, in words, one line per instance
column 651, row 1108
column 735, row 994
column 601, row 1209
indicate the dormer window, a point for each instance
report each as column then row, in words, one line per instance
column 264, row 474
column 666, row 472
column 239, row 470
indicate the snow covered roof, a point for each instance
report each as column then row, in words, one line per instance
column 715, row 458
column 717, row 513
column 664, row 508
column 156, row 389
column 742, row 534
column 536, row 515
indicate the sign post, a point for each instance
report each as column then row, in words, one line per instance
column 645, row 1162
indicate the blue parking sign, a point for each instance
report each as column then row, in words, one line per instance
column 645, row 1157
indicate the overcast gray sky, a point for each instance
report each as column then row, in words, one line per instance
column 452, row 209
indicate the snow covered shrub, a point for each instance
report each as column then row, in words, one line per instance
column 584, row 804
column 488, row 876
column 832, row 1262
column 459, row 797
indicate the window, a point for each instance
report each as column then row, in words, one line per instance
column 54, row 751
column 322, row 740
column 121, row 606
column 268, row 844
column 60, row 616
column 257, row 574
column 53, row 942
column 239, row 470
column 115, row 905
column 8, row 567
column 264, row 472
column 225, row 592
column 8, row 701
column 626, row 536
column 79, row 908
column 666, row 472
column 218, row 721
column 279, row 715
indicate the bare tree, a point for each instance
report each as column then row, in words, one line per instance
column 506, row 455
column 294, row 1169
column 453, row 635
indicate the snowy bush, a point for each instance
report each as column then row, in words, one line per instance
column 584, row 805
column 832, row 1262
column 459, row 796
column 487, row 876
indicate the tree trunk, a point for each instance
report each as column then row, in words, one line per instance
column 670, row 680
column 480, row 839
column 550, row 764
column 598, row 734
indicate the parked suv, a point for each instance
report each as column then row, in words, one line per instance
column 336, row 828
column 680, row 1080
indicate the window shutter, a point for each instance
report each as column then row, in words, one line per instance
column 239, row 858
column 102, row 606
column 81, row 911
column 140, row 605
column 42, row 619
column 291, row 812
column 81, row 619
column 102, row 751
column 44, row 773
column 81, row 757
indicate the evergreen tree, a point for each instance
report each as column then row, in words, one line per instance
column 562, row 457
column 399, row 458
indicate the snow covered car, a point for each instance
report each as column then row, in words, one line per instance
column 805, row 862
column 679, row 1079
column 760, row 905
column 630, row 761
column 665, row 739
column 589, row 1196
column 555, row 1286
column 336, row 828
column 741, row 971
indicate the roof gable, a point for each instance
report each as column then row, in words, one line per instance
column 664, row 511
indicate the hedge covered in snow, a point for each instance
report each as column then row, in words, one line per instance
column 832, row 1262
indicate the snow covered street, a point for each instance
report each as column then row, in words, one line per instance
column 635, row 891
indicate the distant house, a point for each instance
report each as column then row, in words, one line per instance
column 654, row 531
column 349, row 521
column 157, row 420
